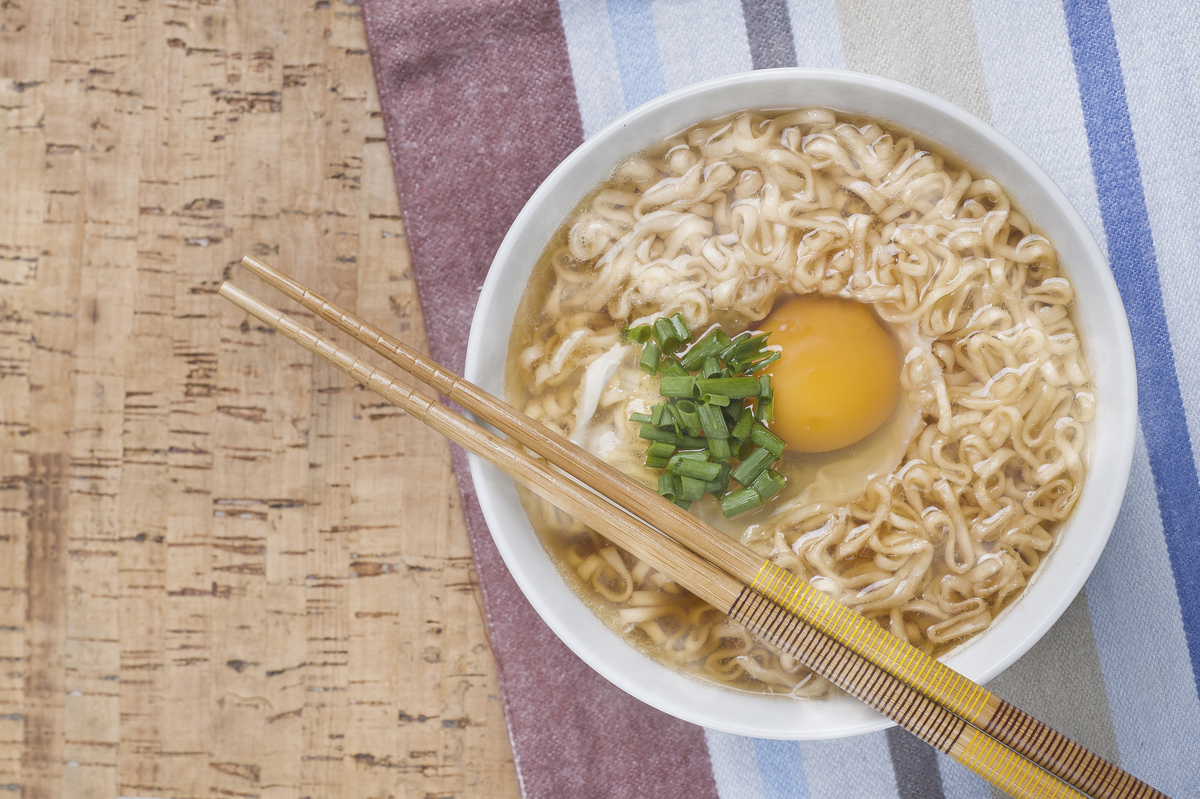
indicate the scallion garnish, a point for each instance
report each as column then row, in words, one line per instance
column 751, row 467
column 732, row 387
column 767, row 440
column 651, row 357
column 713, row 344
column 687, row 417
column 698, row 469
column 768, row 484
column 710, row 428
column 672, row 386
column 638, row 335
column 691, row 489
column 661, row 449
column 741, row 430
column 736, row 502
column 712, row 421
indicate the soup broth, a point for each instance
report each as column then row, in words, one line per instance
column 931, row 524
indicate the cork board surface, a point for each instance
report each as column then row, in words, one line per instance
column 225, row 570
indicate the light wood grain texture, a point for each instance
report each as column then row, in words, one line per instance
column 224, row 570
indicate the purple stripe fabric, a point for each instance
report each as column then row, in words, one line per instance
column 479, row 106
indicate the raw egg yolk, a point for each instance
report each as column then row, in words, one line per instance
column 838, row 376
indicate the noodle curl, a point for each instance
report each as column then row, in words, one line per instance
column 721, row 222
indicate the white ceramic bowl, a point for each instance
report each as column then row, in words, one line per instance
column 1098, row 311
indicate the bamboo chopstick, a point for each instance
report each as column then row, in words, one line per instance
column 977, row 706
column 924, row 718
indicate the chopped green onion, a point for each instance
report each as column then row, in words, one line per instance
column 765, row 411
column 723, row 477
column 741, row 430
column 732, row 387
column 692, row 467
column 768, row 484
column 653, row 462
column 735, row 341
column 667, row 487
column 659, row 413
column 745, row 350
column 765, row 362
column 691, row 489
column 767, row 440
column 638, row 335
column 751, row 467
column 687, row 455
column 695, row 441
column 720, row 449
column 652, row 433
column 651, row 356
column 708, row 347
column 672, row 368
column 681, row 328
column 712, row 421
column 740, row 501
column 661, row 449
column 686, row 412
column 668, row 334
column 672, row 386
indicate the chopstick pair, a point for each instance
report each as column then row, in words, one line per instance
column 1009, row 748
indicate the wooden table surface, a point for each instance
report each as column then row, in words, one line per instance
column 225, row 570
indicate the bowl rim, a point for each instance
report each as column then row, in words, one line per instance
column 1104, row 489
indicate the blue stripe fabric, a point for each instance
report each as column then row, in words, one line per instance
column 1131, row 254
column 636, row 49
column 781, row 769
column 1155, row 55
column 1101, row 98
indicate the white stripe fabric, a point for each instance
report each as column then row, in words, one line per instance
column 593, row 63
column 735, row 765
column 691, row 52
column 1139, row 635
column 1032, row 94
column 816, row 35
column 1022, row 53
column 845, row 767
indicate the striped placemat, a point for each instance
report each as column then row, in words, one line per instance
column 482, row 98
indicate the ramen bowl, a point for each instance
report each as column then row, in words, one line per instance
column 1098, row 313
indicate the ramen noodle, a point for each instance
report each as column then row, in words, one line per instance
column 932, row 524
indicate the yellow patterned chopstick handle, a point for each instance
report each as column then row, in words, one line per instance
column 976, row 705
column 863, row 637
column 917, row 713
column 1000, row 766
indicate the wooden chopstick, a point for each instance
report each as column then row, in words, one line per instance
column 1015, row 729
column 924, row 718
